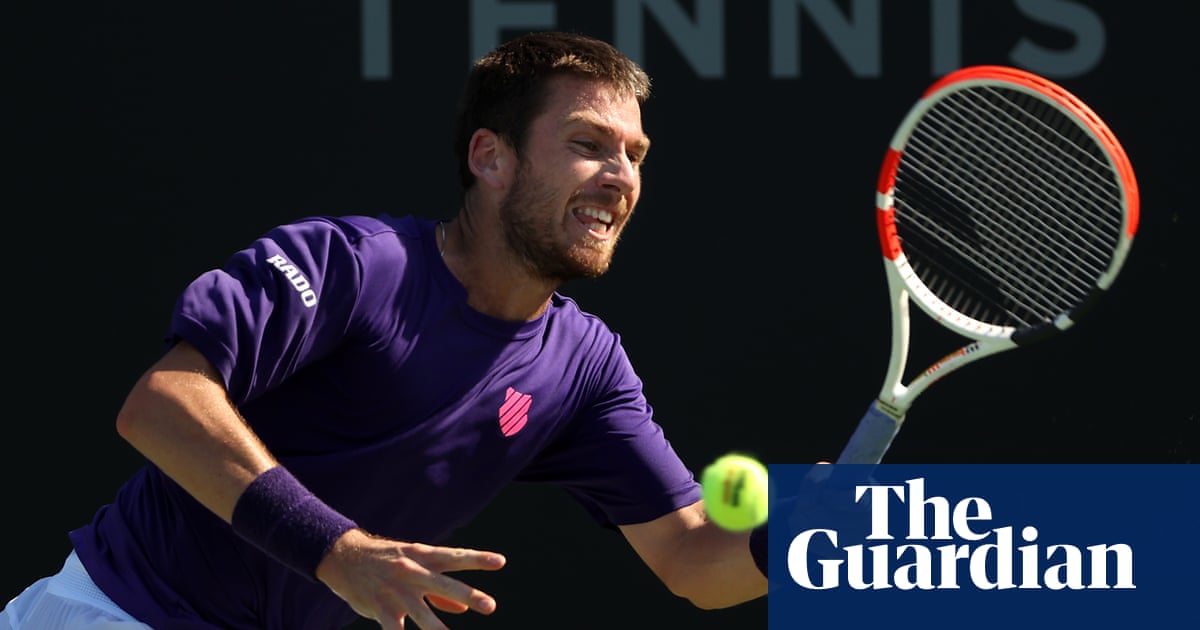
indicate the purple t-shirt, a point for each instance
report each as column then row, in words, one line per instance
column 350, row 349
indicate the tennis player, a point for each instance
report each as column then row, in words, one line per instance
column 347, row 391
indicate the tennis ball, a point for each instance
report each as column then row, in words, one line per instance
column 734, row 488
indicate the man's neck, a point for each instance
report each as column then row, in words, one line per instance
column 497, row 284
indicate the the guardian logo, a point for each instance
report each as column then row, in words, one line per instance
column 960, row 548
column 301, row 284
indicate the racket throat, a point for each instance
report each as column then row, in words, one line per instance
column 896, row 412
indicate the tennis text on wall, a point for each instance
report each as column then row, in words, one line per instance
column 1056, row 38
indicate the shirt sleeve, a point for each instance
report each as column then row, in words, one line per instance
column 274, row 307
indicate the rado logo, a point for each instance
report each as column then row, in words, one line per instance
column 301, row 284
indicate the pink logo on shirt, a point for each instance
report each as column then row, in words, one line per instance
column 514, row 413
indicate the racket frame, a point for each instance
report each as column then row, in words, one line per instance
column 881, row 423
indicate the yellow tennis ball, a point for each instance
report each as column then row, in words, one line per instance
column 734, row 488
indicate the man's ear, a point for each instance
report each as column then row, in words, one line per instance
column 491, row 159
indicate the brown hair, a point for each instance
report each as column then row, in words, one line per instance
column 506, row 88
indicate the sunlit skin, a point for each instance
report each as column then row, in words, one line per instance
column 588, row 150
column 529, row 224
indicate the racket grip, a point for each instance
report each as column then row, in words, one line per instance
column 872, row 437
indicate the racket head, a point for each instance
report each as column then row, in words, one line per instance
column 1005, row 206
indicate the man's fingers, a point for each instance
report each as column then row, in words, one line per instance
column 449, row 589
column 446, row 593
column 447, row 605
column 471, row 559
column 424, row 618
column 389, row 580
column 447, row 559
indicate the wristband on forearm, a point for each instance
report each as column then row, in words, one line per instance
column 280, row 516
column 758, row 548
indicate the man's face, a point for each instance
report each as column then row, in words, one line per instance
column 578, row 180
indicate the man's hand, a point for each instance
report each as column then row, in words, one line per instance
column 389, row 581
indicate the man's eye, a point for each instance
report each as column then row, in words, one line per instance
column 587, row 145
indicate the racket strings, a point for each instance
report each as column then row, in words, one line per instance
column 1005, row 177
column 1034, row 164
column 1007, row 209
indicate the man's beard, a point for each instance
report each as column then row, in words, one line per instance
column 531, row 237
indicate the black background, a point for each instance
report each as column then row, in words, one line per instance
column 148, row 141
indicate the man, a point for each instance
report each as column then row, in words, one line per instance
column 347, row 391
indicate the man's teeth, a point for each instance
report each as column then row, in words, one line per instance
column 602, row 216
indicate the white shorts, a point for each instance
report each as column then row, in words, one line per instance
column 67, row 600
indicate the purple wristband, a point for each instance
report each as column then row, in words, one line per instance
column 758, row 548
column 280, row 516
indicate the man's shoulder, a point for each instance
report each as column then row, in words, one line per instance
column 372, row 236
column 568, row 313
column 357, row 226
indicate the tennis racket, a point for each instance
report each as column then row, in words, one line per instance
column 1005, row 207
